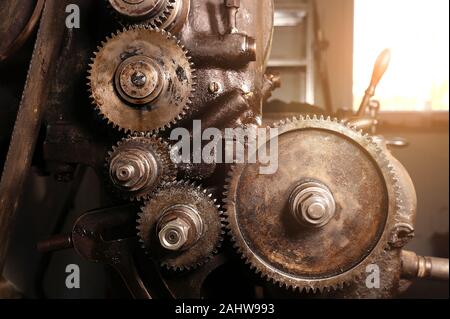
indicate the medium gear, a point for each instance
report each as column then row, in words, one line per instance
column 169, row 15
column 325, row 215
column 141, row 80
column 138, row 165
column 181, row 226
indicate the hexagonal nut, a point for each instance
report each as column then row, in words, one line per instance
column 174, row 235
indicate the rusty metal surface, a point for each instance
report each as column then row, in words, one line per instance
column 169, row 15
column 141, row 9
column 414, row 266
column 94, row 238
column 31, row 111
column 151, row 165
column 255, row 20
column 362, row 183
column 182, row 193
column 74, row 133
column 175, row 78
column 18, row 20
column 134, row 85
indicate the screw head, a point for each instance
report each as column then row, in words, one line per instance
column 215, row 87
column 138, row 78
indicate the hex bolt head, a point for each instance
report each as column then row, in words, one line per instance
column 174, row 235
column 139, row 80
column 133, row 169
column 179, row 227
column 312, row 204
column 125, row 173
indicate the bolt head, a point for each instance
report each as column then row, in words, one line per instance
column 125, row 173
column 138, row 79
column 215, row 87
column 133, row 169
column 174, row 235
column 312, row 204
column 316, row 210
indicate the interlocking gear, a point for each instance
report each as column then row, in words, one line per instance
column 141, row 80
column 138, row 165
column 323, row 216
column 181, row 226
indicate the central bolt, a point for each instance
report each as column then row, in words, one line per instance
column 174, row 235
column 179, row 227
column 125, row 173
column 316, row 210
column 138, row 78
column 133, row 169
column 312, row 204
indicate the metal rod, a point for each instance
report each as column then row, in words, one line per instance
column 379, row 70
column 28, row 122
column 414, row 266
column 58, row 242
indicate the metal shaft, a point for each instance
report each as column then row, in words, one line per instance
column 414, row 266
column 379, row 70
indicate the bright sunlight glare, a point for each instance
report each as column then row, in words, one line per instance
column 417, row 32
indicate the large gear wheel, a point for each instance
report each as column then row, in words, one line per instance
column 141, row 80
column 138, row 165
column 324, row 216
column 181, row 226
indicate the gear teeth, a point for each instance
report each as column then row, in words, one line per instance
column 98, row 105
column 202, row 192
column 391, row 179
column 160, row 149
column 154, row 22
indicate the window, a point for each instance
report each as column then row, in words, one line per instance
column 417, row 32
column 292, row 54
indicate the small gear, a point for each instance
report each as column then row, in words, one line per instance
column 138, row 165
column 181, row 226
column 324, row 216
column 141, row 80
